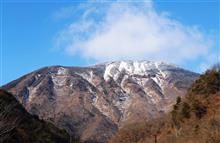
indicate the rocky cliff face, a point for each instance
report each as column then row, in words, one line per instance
column 95, row 101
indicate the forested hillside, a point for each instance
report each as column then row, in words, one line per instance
column 194, row 119
column 18, row 126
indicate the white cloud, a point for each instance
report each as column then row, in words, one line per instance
column 119, row 30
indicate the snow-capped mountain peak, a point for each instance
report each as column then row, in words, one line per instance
column 142, row 68
column 105, row 96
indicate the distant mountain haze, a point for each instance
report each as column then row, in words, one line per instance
column 94, row 102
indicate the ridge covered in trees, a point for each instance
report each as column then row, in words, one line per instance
column 18, row 126
column 194, row 119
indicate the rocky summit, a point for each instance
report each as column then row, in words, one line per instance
column 94, row 102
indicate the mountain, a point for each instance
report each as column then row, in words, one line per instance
column 17, row 125
column 95, row 101
column 193, row 119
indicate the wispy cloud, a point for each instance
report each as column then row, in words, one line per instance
column 133, row 30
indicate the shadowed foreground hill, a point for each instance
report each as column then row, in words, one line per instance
column 194, row 119
column 18, row 126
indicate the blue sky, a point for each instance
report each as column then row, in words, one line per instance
column 36, row 34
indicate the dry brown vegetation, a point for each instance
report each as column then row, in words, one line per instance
column 195, row 119
column 18, row 126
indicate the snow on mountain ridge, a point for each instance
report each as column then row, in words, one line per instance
column 143, row 68
column 106, row 96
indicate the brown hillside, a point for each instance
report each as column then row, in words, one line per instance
column 18, row 126
column 195, row 119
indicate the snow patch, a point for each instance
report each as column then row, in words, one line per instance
column 32, row 92
column 160, row 71
column 143, row 68
column 62, row 71
column 59, row 80
column 94, row 99
column 123, row 102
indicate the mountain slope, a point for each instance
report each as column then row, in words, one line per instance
column 95, row 101
column 194, row 119
column 16, row 125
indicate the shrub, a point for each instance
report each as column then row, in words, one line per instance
column 178, row 100
column 185, row 110
column 198, row 109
